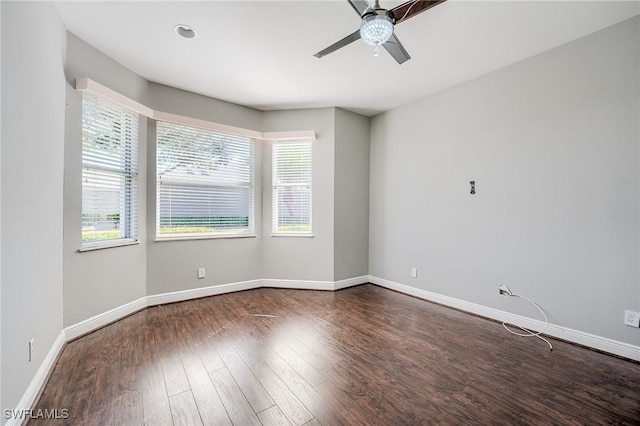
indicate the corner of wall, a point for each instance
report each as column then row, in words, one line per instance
column 351, row 194
column 31, row 296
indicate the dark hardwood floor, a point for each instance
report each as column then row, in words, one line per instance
column 360, row 356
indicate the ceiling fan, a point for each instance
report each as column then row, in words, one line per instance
column 377, row 26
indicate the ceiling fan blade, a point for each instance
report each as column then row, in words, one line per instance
column 412, row 8
column 396, row 49
column 360, row 6
column 342, row 43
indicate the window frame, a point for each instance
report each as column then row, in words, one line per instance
column 250, row 185
column 126, row 168
column 275, row 231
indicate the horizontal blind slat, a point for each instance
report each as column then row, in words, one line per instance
column 292, row 176
column 204, row 182
column 109, row 171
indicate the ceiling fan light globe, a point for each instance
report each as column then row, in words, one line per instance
column 376, row 29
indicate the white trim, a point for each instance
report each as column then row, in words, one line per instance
column 90, row 324
column 291, row 234
column 38, row 381
column 298, row 284
column 350, row 282
column 596, row 342
column 315, row 285
column 86, row 84
column 119, row 243
column 196, row 293
column 289, row 136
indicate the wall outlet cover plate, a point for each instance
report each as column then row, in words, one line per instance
column 632, row 318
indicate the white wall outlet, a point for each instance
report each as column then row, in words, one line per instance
column 201, row 273
column 414, row 272
column 32, row 348
column 632, row 319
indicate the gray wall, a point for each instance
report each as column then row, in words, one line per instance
column 553, row 145
column 33, row 98
column 0, row 210
column 173, row 265
column 100, row 280
column 169, row 99
column 351, row 194
column 302, row 258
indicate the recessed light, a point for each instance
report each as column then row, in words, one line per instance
column 185, row 31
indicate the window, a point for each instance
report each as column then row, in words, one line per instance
column 204, row 183
column 292, row 187
column 109, row 173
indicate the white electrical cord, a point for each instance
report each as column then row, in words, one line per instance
column 529, row 333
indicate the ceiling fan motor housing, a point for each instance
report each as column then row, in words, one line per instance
column 371, row 12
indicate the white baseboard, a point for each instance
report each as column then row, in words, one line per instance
column 315, row 285
column 350, row 282
column 87, row 326
column 596, row 342
column 196, row 293
column 29, row 397
column 298, row 284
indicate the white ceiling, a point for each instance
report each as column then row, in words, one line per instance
column 259, row 53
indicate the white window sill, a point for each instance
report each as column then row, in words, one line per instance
column 200, row 237
column 291, row 234
column 102, row 246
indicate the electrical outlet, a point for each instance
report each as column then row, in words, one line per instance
column 414, row 272
column 201, row 273
column 632, row 319
column 32, row 347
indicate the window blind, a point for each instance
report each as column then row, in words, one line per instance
column 292, row 187
column 109, row 172
column 205, row 182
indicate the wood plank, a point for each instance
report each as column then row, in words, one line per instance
column 273, row 417
column 174, row 376
column 56, row 397
column 155, row 400
column 184, row 411
column 238, row 409
column 80, row 396
column 211, row 409
column 129, row 406
column 292, row 408
column 302, row 367
column 255, row 393
column 103, row 403
column 209, row 355
column 301, row 389
column 347, row 408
